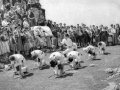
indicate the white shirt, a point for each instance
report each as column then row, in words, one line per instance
column 71, row 30
column 36, row 13
column 25, row 24
column 67, row 42
column 20, row 60
column 6, row 15
column 90, row 47
column 74, row 54
column 57, row 55
column 103, row 45
column 113, row 30
column 2, row 7
column 40, row 53
column 5, row 23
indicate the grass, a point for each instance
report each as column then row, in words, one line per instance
column 88, row 78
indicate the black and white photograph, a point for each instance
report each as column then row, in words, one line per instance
column 59, row 44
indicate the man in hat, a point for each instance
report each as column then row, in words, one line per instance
column 39, row 56
column 56, row 62
column 74, row 59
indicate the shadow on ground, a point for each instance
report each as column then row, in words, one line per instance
column 107, row 53
column 1, row 70
column 29, row 75
column 97, row 59
column 82, row 67
column 66, row 75
column 46, row 67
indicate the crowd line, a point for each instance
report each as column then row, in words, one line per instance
column 16, row 35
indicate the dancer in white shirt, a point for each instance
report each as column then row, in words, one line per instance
column 56, row 62
column 91, row 52
column 18, row 62
column 69, row 45
column 39, row 56
column 74, row 59
column 102, row 47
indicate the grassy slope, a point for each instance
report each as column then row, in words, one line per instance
column 88, row 78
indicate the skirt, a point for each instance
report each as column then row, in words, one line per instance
column 110, row 39
column 1, row 48
column 5, row 47
column 13, row 47
column 19, row 45
column 54, row 42
column 27, row 46
column 37, row 43
column 32, row 44
column 59, row 42
column 48, row 42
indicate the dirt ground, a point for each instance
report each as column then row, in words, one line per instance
column 87, row 78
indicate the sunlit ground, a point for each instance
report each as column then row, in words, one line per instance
column 88, row 78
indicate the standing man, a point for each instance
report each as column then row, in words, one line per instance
column 117, row 33
column 60, row 25
column 31, row 17
column 113, row 31
column 55, row 36
column 79, row 35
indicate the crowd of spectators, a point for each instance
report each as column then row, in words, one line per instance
column 16, row 36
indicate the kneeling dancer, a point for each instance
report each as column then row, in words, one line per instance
column 56, row 62
column 18, row 63
column 74, row 59
column 91, row 52
column 70, row 46
column 39, row 56
column 102, row 47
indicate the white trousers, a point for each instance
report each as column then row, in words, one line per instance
column 40, row 64
column 74, row 65
column 75, row 46
column 70, row 49
column 58, row 72
column 91, row 57
column 101, row 51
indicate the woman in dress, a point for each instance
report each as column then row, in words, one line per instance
column 6, row 43
column 1, row 47
column 19, row 42
column 12, row 43
column 5, row 46
column 27, row 45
